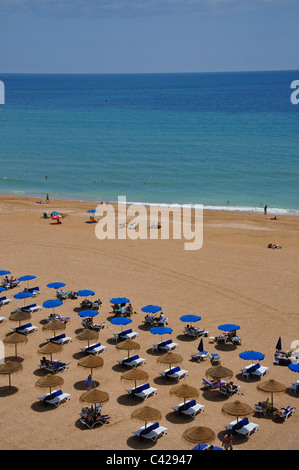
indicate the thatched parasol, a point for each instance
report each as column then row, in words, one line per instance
column 91, row 362
column 54, row 325
column 87, row 335
column 135, row 374
column 95, row 396
column 146, row 414
column 49, row 381
column 199, row 435
column 20, row 316
column 170, row 358
column 237, row 408
column 219, row 372
column 10, row 367
column 184, row 391
column 50, row 348
column 271, row 386
column 15, row 338
column 128, row 345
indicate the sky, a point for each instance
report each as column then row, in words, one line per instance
column 148, row 36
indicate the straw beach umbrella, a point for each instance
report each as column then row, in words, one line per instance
column 237, row 408
column 170, row 358
column 49, row 381
column 15, row 338
column 54, row 325
column 50, row 348
column 19, row 316
column 219, row 372
column 91, row 362
column 199, row 435
column 128, row 345
column 94, row 396
column 184, row 391
column 10, row 367
column 146, row 414
column 135, row 375
column 87, row 335
column 271, row 386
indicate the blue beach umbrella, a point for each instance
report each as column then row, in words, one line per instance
column 88, row 313
column 92, row 211
column 52, row 304
column 119, row 300
column 23, row 295
column 3, row 272
column 200, row 347
column 120, row 321
column 252, row 356
column 85, row 292
column 203, row 446
column 228, row 327
column 56, row 285
column 26, row 278
column 2, row 289
column 294, row 367
column 160, row 330
column 151, row 309
column 190, row 318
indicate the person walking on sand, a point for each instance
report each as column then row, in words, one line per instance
column 265, row 209
column 89, row 382
column 228, row 441
column 47, row 198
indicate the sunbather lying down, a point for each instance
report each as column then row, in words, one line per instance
column 274, row 246
column 282, row 412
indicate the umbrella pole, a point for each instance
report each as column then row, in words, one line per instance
column 9, row 380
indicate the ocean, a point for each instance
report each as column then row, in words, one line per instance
column 229, row 141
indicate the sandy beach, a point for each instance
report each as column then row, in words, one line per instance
column 233, row 278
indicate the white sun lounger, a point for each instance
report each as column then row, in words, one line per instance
column 25, row 329
column 127, row 334
column 2, row 319
column 248, row 429
column 55, row 398
column 31, row 308
column 167, row 345
column 189, row 408
column 151, row 431
column 143, row 391
column 95, row 348
column 175, row 373
column 132, row 361
column 4, row 301
column 60, row 339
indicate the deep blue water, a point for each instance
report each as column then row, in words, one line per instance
column 204, row 138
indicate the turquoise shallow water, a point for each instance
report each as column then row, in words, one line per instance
column 225, row 140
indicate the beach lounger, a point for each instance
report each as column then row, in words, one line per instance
column 2, row 319
column 167, row 345
column 151, row 431
column 285, row 412
column 194, row 331
column 4, row 301
column 127, row 334
column 60, row 339
column 189, row 408
column 25, row 329
column 144, row 391
column 31, row 308
column 245, row 428
column 229, row 393
column 101, row 419
column 294, row 387
column 95, row 348
column 132, row 361
column 175, row 373
column 32, row 290
column 200, row 356
column 255, row 369
column 54, row 366
column 55, row 398
column 215, row 359
column 236, row 340
column 210, row 385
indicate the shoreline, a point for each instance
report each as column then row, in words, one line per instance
column 217, row 208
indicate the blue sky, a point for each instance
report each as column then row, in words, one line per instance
column 143, row 36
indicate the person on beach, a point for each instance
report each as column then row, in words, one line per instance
column 265, row 209
column 89, row 382
column 227, row 442
column 47, row 198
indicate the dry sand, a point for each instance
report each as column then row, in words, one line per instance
column 233, row 278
